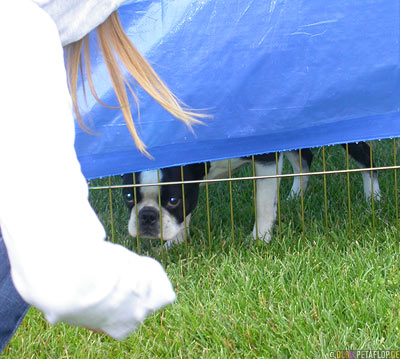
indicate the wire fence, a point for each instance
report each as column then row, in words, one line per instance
column 331, row 168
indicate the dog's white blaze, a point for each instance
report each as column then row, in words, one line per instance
column 150, row 177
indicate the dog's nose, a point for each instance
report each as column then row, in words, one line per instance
column 148, row 216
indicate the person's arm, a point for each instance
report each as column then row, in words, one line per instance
column 60, row 262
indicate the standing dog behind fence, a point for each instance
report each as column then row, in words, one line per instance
column 165, row 211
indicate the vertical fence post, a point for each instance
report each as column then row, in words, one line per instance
column 231, row 199
column 372, row 189
column 207, row 207
column 303, row 226
column 138, row 246
column 348, row 191
column 325, row 194
column 111, row 211
column 185, row 227
column 395, row 185
column 253, row 171
column 161, row 224
column 278, row 198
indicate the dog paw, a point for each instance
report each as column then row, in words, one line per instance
column 262, row 235
column 293, row 195
column 168, row 245
column 178, row 239
column 377, row 195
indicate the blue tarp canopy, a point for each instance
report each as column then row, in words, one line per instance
column 275, row 75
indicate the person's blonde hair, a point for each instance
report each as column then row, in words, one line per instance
column 114, row 45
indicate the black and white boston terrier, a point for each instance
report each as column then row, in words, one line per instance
column 147, row 221
column 146, row 218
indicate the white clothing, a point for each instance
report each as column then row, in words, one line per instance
column 76, row 18
column 60, row 262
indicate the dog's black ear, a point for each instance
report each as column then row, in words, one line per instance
column 127, row 178
column 198, row 169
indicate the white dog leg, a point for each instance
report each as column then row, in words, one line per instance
column 366, row 176
column 266, row 199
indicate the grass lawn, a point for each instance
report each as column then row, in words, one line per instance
column 322, row 284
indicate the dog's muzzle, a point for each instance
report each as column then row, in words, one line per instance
column 149, row 221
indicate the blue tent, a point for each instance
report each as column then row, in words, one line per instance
column 274, row 74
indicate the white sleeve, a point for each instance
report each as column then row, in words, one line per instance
column 60, row 262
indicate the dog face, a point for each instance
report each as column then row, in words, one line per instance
column 162, row 211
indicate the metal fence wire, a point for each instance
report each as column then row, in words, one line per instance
column 333, row 202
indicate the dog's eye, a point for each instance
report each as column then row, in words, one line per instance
column 174, row 202
column 129, row 197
